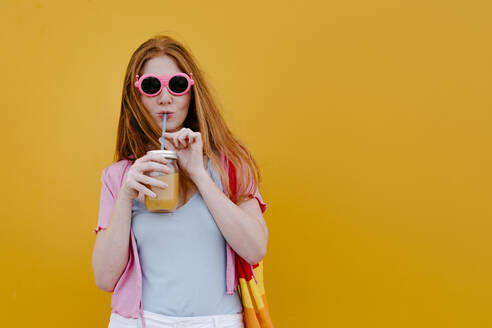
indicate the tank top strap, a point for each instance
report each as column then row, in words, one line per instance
column 214, row 174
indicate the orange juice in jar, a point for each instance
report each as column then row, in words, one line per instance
column 167, row 198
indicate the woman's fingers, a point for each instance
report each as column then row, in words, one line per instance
column 151, row 157
column 168, row 144
column 136, row 179
column 150, row 181
column 181, row 138
column 185, row 138
column 176, row 139
column 141, row 188
column 196, row 136
column 170, row 140
column 153, row 166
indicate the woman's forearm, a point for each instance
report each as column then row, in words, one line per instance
column 111, row 249
column 244, row 233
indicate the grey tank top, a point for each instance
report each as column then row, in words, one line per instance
column 183, row 259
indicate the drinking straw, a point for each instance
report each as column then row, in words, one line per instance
column 164, row 118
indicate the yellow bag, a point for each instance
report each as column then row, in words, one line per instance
column 252, row 292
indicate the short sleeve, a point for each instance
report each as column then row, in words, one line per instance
column 258, row 197
column 106, row 203
column 231, row 170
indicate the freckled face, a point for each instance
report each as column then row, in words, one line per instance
column 164, row 101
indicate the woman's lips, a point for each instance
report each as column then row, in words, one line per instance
column 162, row 116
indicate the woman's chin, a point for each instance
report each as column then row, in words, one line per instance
column 173, row 128
column 170, row 126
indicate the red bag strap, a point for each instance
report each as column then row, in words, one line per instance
column 245, row 270
column 232, row 180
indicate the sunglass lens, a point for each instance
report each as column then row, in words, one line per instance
column 151, row 85
column 178, row 84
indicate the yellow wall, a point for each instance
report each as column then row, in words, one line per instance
column 370, row 121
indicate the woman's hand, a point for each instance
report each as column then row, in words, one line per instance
column 189, row 147
column 136, row 179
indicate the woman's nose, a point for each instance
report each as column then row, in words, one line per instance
column 164, row 97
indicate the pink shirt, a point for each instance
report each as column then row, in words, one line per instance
column 127, row 295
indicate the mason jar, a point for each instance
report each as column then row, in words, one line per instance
column 167, row 198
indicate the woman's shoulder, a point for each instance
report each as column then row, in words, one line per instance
column 118, row 166
column 112, row 174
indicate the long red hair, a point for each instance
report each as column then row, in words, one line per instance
column 138, row 132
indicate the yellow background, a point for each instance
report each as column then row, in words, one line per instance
column 370, row 121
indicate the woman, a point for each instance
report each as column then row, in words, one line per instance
column 176, row 269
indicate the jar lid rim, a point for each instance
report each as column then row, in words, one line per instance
column 165, row 152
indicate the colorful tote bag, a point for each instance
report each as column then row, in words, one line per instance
column 250, row 287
